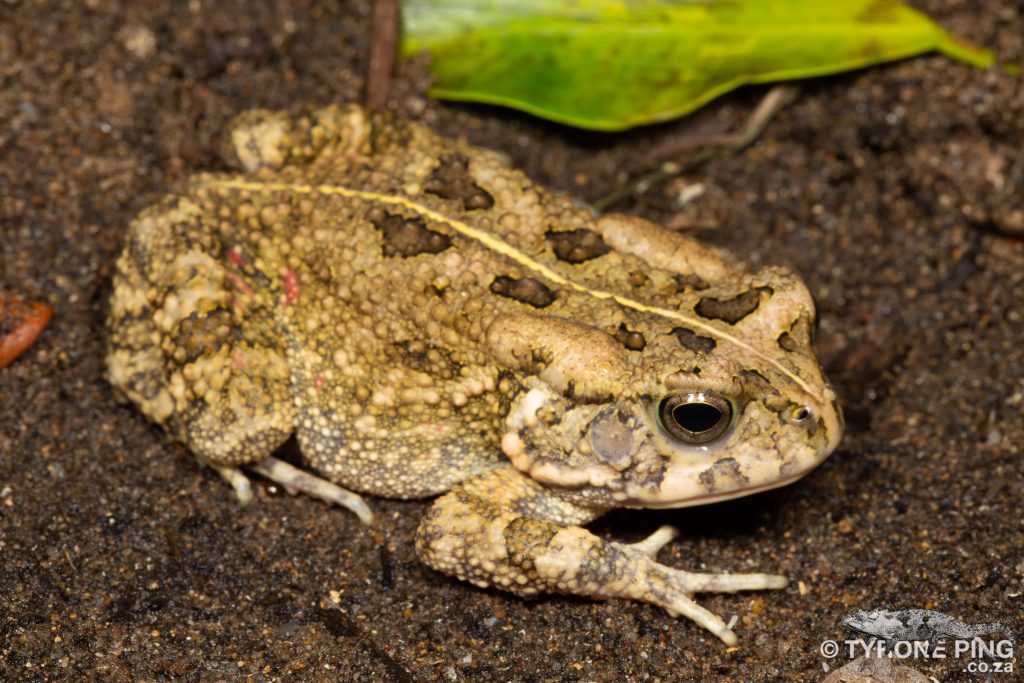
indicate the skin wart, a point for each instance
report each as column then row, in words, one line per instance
column 426, row 320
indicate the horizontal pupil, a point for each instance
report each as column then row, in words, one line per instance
column 696, row 417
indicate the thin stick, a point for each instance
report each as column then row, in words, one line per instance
column 382, row 53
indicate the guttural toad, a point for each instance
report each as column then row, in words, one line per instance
column 426, row 320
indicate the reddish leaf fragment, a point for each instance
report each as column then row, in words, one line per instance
column 20, row 324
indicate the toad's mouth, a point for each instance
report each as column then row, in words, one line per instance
column 704, row 499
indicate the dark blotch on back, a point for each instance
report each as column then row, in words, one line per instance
column 526, row 290
column 731, row 310
column 577, row 246
column 407, row 237
column 693, row 341
column 632, row 340
column 451, row 180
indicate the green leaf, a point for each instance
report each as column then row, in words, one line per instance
column 614, row 64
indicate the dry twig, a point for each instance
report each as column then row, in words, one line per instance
column 382, row 53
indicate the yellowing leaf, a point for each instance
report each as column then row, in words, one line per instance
column 614, row 64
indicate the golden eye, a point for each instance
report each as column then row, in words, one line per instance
column 695, row 418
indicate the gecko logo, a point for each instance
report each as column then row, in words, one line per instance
column 908, row 634
column 919, row 625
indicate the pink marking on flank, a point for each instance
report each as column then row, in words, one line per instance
column 238, row 360
column 319, row 381
column 291, row 286
column 240, row 284
column 236, row 256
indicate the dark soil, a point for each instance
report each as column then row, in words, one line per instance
column 895, row 192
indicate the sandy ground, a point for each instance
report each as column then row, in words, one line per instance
column 894, row 192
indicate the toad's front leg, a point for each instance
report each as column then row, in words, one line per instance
column 502, row 529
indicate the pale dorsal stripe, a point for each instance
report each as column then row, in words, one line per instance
column 505, row 249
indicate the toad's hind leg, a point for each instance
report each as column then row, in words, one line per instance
column 195, row 346
column 193, row 351
column 502, row 529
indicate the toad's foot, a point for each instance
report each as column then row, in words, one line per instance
column 672, row 588
column 501, row 529
column 688, row 582
column 656, row 541
column 239, row 482
column 294, row 481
